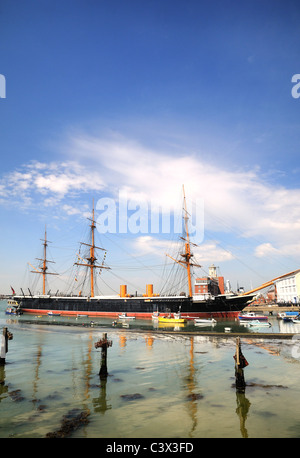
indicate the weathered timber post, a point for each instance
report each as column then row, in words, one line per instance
column 103, row 344
column 6, row 336
column 240, row 363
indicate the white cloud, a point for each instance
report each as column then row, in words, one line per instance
column 205, row 253
column 235, row 201
column 211, row 252
column 52, row 181
column 147, row 244
column 266, row 249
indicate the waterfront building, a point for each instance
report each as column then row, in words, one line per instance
column 288, row 289
column 212, row 285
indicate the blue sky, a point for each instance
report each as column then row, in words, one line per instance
column 139, row 97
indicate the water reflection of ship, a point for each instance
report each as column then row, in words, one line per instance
column 122, row 340
column 36, row 373
column 193, row 396
column 149, row 341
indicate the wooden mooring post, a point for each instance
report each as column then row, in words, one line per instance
column 240, row 363
column 103, row 344
column 6, row 336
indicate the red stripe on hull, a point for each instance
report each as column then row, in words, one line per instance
column 188, row 316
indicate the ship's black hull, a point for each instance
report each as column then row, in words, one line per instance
column 140, row 307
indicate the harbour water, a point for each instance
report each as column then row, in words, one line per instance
column 160, row 385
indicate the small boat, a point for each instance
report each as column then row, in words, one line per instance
column 257, row 323
column 252, row 316
column 124, row 316
column 227, row 329
column 205, row 321
column 13, row 310
column 287, row 316
column 53, row 314
column 175, row 319
column 296, row 320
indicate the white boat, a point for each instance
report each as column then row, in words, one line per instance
column 53, row 314
column 296, row 320
column 124, row 316
column 204, row 321
column 257, row 323
column 287, row 316
column 252, row 316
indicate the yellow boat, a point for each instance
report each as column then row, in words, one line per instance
column 175, row 319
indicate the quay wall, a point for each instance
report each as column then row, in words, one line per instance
column 266, row 309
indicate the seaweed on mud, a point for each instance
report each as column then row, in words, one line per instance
column 195, row 396
column 261, row 385
column 70, row 422
column 16, row 395
column 131, row 397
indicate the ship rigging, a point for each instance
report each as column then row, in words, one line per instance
column 143, row 306
column 187, row 255
column 91, row 260
column 43, row 270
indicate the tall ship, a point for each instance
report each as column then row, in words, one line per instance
column 213, row 302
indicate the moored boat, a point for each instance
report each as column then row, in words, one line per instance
column 10, row 311
column 204, row 321
column 287, row 316
column 124, row 316
column 13, row 308
column 251, row 316
column 175, row 319
column 257, row 323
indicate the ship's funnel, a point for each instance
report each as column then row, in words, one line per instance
column 149, row 290
column 123, row 290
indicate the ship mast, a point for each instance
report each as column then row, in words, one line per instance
column 92, row 258
column 44, row 268
column 187, row 255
